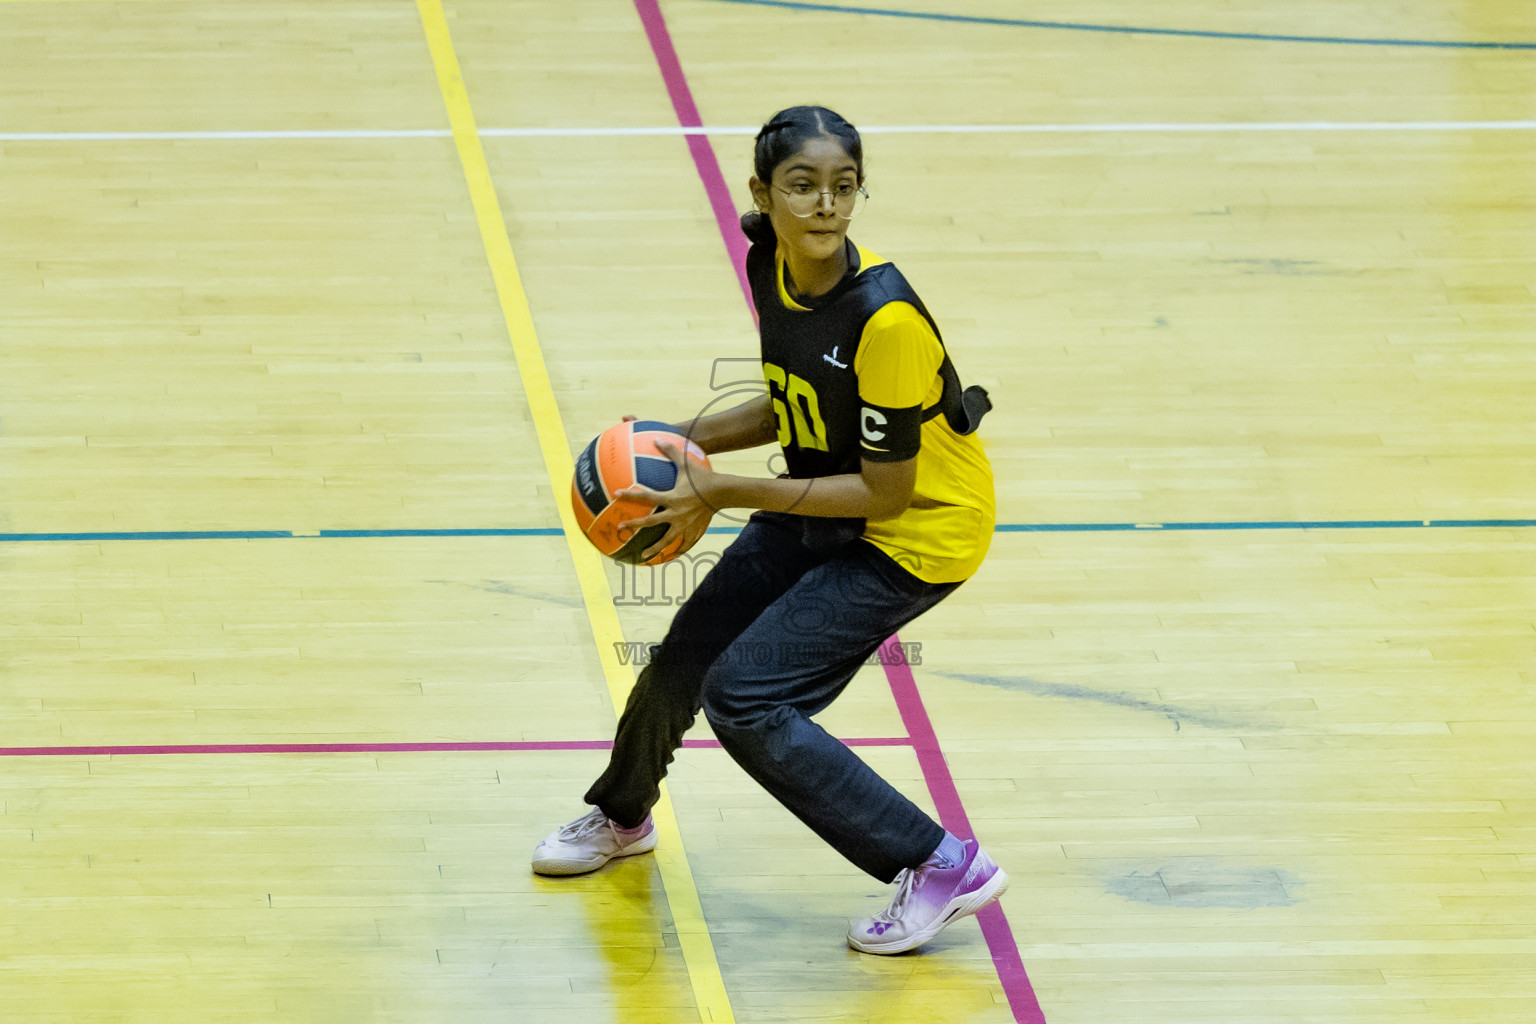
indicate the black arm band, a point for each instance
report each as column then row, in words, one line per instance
column 889, row 435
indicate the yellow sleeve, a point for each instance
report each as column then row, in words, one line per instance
column 898, row 357
column 897, row 363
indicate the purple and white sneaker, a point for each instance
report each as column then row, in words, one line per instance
column 589, row 842
column 928, row 899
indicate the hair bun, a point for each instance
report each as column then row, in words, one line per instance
column 756, row 227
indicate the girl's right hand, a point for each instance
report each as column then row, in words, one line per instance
column 686, row 508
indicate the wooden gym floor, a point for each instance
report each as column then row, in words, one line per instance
column 305, row 305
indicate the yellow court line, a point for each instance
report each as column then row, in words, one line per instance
column 677, row 877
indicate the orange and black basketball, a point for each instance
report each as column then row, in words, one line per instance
column 619, row 457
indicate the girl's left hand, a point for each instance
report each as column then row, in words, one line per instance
column 688, row 508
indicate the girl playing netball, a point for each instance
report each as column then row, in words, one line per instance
column 886, row 507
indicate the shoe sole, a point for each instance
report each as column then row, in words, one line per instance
column 558, row 868
column 960, row 906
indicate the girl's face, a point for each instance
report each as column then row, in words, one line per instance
column 820, row 166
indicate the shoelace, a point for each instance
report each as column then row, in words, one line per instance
column 584, row 826
column 906, row 885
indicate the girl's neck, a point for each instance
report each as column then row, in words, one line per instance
column 814, row 278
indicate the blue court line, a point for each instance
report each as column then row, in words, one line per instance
column 1316, row 524
column 535, row 531
column 155, row 535
column 554, row 531
column 1072, row 26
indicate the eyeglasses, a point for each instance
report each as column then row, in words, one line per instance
column 803, row 199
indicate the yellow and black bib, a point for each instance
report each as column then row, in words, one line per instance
column 861, row 373
column 808, row 354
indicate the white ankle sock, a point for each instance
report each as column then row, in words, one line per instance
column 951, row 853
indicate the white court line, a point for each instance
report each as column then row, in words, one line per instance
column 134, row 137
column 906, row 129
column 1250, row 126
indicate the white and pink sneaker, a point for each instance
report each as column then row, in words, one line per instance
column 928, row 899
column 589, row 842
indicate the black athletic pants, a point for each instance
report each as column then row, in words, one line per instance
column 770, row 637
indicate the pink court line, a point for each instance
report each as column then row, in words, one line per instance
column 698, row 143
column 941, row 785
column 946, row 798
column 375, row 748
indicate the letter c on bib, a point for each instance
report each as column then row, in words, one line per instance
column 873, row 424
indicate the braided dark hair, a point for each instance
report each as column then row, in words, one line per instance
column 783, row 136
column 791, row 128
